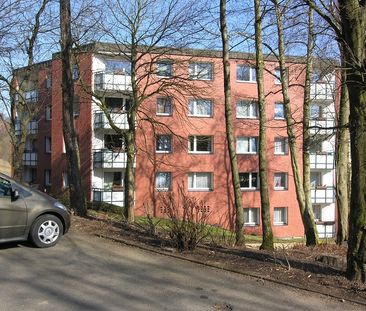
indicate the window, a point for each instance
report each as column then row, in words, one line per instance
column 280, row 181
column 163, row 143
column 48, row 81
column 200, row 71
column 247, row 145
column 76, row 106
column 47, row 177
column 245, row 73
column 48, row 113
column 246, row 109
column 5, row 187
column 317, row 210
column 118, row 67
column 200, row 144
column 48, row 144
column 75, row 72
column 277, row 76
column 249, row 181
column 113, row 181
column 280, row 216
column 200, row 107
column 164, row 69
column 316, row 112
column 164, row 106
column 65, row 180
column 251, row 216
column 315, row 179
column 163, row 180
column 280, row 145
column 200, row 181
column 279, row 111
column 31, row 96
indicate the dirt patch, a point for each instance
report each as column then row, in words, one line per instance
column 319, row 269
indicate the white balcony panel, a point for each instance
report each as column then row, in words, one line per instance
column 32, row 128
column 101, row 121
column 322, row 91
column 109, row 159
column 326, row 229
column 323, row 195
column 112, row 82
column 30, row 158
column 109, row 196
column 323, row 161
column 323, row 127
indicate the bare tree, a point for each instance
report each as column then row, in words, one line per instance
column 239, row 217
column 305, row 210
column 267, row 234
column 77, row 196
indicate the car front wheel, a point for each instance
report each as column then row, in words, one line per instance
column 46, row 231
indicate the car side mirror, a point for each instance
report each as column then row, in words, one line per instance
column 14, row 195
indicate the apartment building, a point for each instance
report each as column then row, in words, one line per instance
column 181, row 140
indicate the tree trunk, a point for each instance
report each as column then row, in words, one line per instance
column 353, row 21
column 342, row 164
column 77, row 196
column 239, row 217
column 306, row 213
column 307, row 138
column 267, row 234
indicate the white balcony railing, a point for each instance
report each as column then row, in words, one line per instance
column 105, row 158
column 326, row 229
column 322, row 91
column 115, row 197
column 321, row 126
column 325, row 195
column 101, row 121
column 32, row 128
column 323, row 161
column 30, row 158
column 31, row 96
column 104, row 81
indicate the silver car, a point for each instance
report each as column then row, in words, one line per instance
column 28, row 214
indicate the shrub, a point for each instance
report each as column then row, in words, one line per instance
column 187, row 225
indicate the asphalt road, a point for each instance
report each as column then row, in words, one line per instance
column 88, row 273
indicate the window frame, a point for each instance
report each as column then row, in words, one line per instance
column 250, row 144
column 47, row 178
column 284, row 216
column 170, row 69
column 163, row 188
column 171, row 106
column 251, row 210
column 194, row 102
column 281, row 188
column 285, row 146
column 251, row 75
column 195, row 139
column 250, row 177
column 195, row 188
column 170, row 142
column 251, row 103
column 283, row 111
column 48, row 143
column 193, row 73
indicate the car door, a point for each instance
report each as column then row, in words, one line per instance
column 13, row 212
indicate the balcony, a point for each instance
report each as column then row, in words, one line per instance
column 326, row 229
column 105, row 158
column 30, row 158
column 101, row 121
column 322, row 161
column 321, row 126
column 104, row 81
column 115, row 197
column 323, row 195
column 32, row 128
column 322, row 91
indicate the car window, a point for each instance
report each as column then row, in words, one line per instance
column 5, row 187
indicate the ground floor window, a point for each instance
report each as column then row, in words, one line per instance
column 113, row 180
column 200, row 181
column 251, row 216
column 280, row 216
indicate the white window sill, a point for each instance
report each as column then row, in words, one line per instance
column 163, row 114
column 247, row 117
column 280, row 224
column 249, row 189
column 162, row 189
column 200, row 116
column 279, row 118
column 164, row 77
column 280, row 188
column 163, row 151
column 247, row 153
column 251, row 224
column 243, row 81
column 281, row 153
column 199, row 189
column 200, row 152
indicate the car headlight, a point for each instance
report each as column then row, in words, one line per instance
column 59, row 205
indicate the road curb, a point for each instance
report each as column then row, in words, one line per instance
column 233, row 270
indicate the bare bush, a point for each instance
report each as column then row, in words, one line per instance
column 188, row 219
